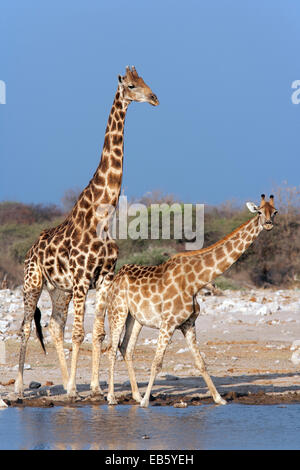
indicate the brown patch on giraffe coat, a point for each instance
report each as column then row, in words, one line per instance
column 81, row 260
column 86, row 238
column 98, row 179
column 117, row 139
column 42, row 245
column 106, row 144
column 208, row 260
column 83, row 204
column 79, row 273
column 191, row 277
column 91, row 261
column 222, row 266
column 177, row 303
column 176, row 271
column 156, row 299
column 240, row 247
column 117, row 151
column 229, row 246
column 88, row 216
column 235, row 254
column 171, row 291
column 104, row 165
column 105, row 199
column 153, row 288
column 167, row 305
column 79, row 221
column 88, row 194
column 205, row 275
column 116, row 162
column 219, row 253
column 113, row 179
column 145, row 291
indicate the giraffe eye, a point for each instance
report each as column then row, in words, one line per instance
column 131, row 86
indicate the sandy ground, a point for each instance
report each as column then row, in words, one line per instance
column 250, row 341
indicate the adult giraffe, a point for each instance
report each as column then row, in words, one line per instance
column 71, row 257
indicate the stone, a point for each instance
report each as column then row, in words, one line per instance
column 34, row 385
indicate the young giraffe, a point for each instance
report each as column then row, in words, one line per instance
column 72, row 257
column 164, row 297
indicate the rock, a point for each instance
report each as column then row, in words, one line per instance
column 181, row 404
column 171, row 377
column 9, row 382
column 48, row 383
column 34, row 385
column 295, row 345
column 178, row 367
column 295, row 358
column 3, row 404
column 264, row 310
column 182, row 350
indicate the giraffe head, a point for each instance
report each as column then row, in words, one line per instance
column 133, row 88
column 266, row 211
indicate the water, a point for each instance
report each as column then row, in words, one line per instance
column 208, row 427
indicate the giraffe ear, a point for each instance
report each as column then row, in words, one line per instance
column 120, row 78
column 252, row 207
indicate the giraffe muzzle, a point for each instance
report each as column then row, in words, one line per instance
column 153, row 100
column 268, row 225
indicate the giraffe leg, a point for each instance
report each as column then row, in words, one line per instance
column 189, row 332
column 165, row 334
column 133, row 328
column 31, row 298
column 117, row 322
column 99, row 332
column 79, row 296
column 60, row 304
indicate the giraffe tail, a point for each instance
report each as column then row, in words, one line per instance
column 39, row 333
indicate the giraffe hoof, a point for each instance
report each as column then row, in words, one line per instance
column 137, row 398
column 97, row 392
column 72, row 393
column 144, row 403
column 111, row 400
column 221, row 401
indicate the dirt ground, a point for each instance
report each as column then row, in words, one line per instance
column 250, row 357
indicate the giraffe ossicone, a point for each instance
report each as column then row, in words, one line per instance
column 164, row 297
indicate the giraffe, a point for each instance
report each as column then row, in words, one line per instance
column 80, row 253
column 164, row 297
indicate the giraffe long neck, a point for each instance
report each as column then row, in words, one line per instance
column 104, row 187
column 215, row 260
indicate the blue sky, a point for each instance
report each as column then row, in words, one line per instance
column 226, row 128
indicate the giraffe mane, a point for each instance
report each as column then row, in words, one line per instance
column 211, row 247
